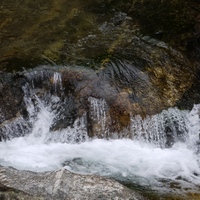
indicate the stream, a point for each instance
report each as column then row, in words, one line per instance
column 147, row 157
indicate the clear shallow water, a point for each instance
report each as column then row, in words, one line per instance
column 141, row 160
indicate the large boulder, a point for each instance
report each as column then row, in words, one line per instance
column 108, row 97
column 60, row 185
column 131, row 56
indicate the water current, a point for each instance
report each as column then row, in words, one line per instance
column 147, row 158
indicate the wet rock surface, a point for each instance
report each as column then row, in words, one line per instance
column 61, row 185
column 11, row 102
column 131, row 45
column 138, row 37
column 89, row 32
column 121, row 90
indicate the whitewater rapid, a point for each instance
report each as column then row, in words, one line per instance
column 138, row 161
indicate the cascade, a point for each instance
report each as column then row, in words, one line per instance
column 164, row 146
column 97, row 112
column 163, row 129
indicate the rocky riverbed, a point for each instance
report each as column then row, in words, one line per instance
column 138, row 57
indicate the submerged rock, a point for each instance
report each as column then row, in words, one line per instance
column 87, row 33
column 61, row 185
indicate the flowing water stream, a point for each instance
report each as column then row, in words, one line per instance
column 147, row 158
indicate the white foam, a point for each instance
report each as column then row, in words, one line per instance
column 117, row 158
column 134, row 160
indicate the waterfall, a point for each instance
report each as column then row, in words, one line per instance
column 52, row 134
column 97, row 112
column 163, row 129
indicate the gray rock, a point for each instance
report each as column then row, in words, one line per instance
column 62, row 185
